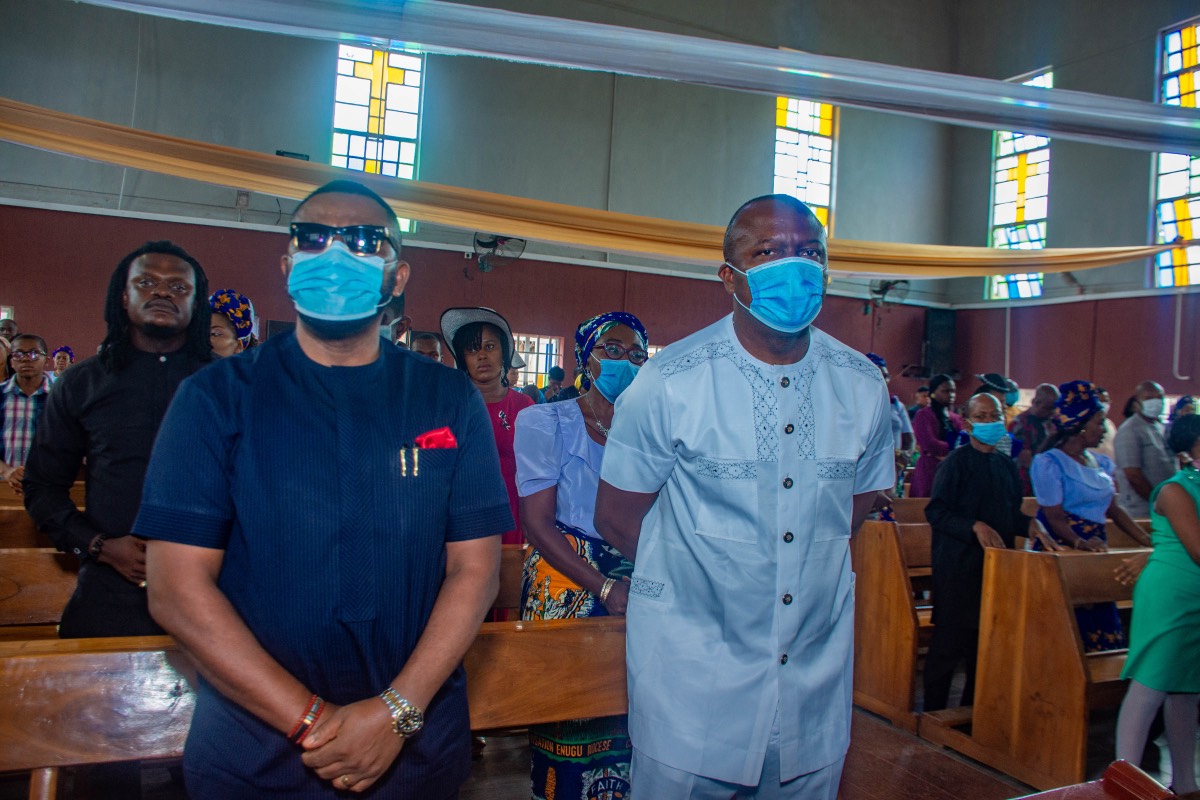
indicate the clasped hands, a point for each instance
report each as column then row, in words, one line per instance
column 351, row 746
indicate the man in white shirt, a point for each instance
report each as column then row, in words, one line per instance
column 1142, row 455
column 739, row 463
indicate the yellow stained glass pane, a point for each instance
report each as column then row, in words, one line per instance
column 1188, row 35
column 781, row 102
column 822, row 214
column 376, row 107
column 1185, row 228
column 1020, row 212
column 373, row 125
column 371, row 166
column 781, row 117
column 826, row 111
column 826, row 127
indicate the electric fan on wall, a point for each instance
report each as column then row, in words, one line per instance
column 493, row 250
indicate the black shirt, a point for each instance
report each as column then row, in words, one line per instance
column 110, row 417
column 969, row 486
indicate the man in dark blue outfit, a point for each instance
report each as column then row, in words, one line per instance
column 323, row 517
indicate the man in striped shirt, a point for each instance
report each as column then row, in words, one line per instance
column 22, row 400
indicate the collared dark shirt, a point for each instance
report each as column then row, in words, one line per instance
column 334, row 533
column 109, row 417
column 969, row 486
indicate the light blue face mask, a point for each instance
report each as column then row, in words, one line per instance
column 786, row 294
column 615, row 377
column 1011, row 398
column 336, row 285
column 988, row 433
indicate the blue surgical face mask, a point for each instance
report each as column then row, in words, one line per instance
column 785, row 295
column 1011, row 398
column 335, row 285
column 615, row 377
column 988, row 433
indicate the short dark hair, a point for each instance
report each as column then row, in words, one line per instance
column 40, row 341
column 1184, row 432
column 343, row 186
column 425, row 336
column 470, row 337
column 116, row 349
column 556, row 374
column 783, row 199
column 922, row 389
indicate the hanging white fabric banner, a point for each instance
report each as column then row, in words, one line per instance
column 454, row 29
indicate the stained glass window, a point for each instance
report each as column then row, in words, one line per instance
column 1177, row 179
column 1020, row 191
column 804, row 135
column 377, row 112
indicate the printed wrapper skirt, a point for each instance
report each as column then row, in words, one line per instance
column 585, row 759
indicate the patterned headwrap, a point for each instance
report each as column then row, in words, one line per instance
column 238, row 309
column 1078, row 403
column 64, row 349
column 1181, row 403
column 877, row 359
column 590, row 331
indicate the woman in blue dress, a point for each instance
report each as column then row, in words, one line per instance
column 1076, row 496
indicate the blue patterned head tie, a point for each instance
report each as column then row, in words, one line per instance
column 64, row 349
column 590, row 331
column 1180, row 404
column 238, row 309
column 1079, row 402
column 877, row 359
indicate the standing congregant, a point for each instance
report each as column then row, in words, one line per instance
column 740, row 461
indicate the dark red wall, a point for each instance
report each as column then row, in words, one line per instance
column 55, row 266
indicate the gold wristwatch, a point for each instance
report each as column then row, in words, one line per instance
column 407, row 719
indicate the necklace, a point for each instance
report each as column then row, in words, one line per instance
column 595, row 417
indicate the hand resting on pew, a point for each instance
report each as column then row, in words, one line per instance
column 1129, row 570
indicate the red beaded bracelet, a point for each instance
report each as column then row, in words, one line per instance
column 315, row 706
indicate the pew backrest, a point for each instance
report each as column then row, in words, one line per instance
column 17, row 531
column 35, row 585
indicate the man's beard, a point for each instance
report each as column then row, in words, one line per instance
column 337, row 330
column 160, row 332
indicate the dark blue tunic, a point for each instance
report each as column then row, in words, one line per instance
column 334, row 548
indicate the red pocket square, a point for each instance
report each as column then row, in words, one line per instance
column 440, row 439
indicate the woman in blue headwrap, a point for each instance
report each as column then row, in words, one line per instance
column 570, row 571
column 232, row 323
column 60, row 359
column 1075, row 494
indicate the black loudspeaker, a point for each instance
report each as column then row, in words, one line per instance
column 938, row 350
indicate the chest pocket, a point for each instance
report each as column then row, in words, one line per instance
column 835, row 497
column 728, row 490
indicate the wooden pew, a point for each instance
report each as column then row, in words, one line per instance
column 17, row 531
column 1121, row 781
column 889, row 626
column 512, row 564
column 93, row 701
column 35, row 585
column 10, row 499
column 912, row 509
column 1035, row 686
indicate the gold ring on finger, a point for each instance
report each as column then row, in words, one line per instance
column 142, row 585
column 345, row 779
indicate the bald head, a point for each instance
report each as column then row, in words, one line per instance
column 1044, row 398
column 1147, row 390
column 984, row 404
column 774, row 204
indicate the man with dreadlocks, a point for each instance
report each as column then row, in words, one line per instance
column 107, row 409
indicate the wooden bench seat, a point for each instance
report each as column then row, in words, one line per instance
column 1121, row 781
column 92, row 701
column 10, row 499
column 1035, row 687
column 891, row 626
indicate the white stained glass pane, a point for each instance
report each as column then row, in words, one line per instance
column 412, row 77
column 353, row 90
column 349, row 117
column 403, row 98
column 1005, row 214
column 785, row 165
column 345, row 67
column 1174, row 62
column 1006, row 192
column 338, row 161
column 391, row 150
column 400, row 124
column 821, row 143
column 782, row 186
column 355, row 53
column 1173, row 184
column 389, row 169
column 405, row 171
column 1166, row 212
column 358, row 146
column 408, row 152
column 1194, row 207
column 373, row 149
column 820, row 172
column 1004, row 147
column 818, row 194
column 404, row 61
column 1037, row 185
column 1038, row 156
column 786, row 135
column 1168, row 231
column 356, row 163
column 340, row 142
column 1192, row 254
column 1035, row 208
column 1173, row 162
column 1174, row 41
column 1006, row 163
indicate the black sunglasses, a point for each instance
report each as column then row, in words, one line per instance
column 363, row 240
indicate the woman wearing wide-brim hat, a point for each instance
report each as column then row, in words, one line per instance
column 483, row 347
